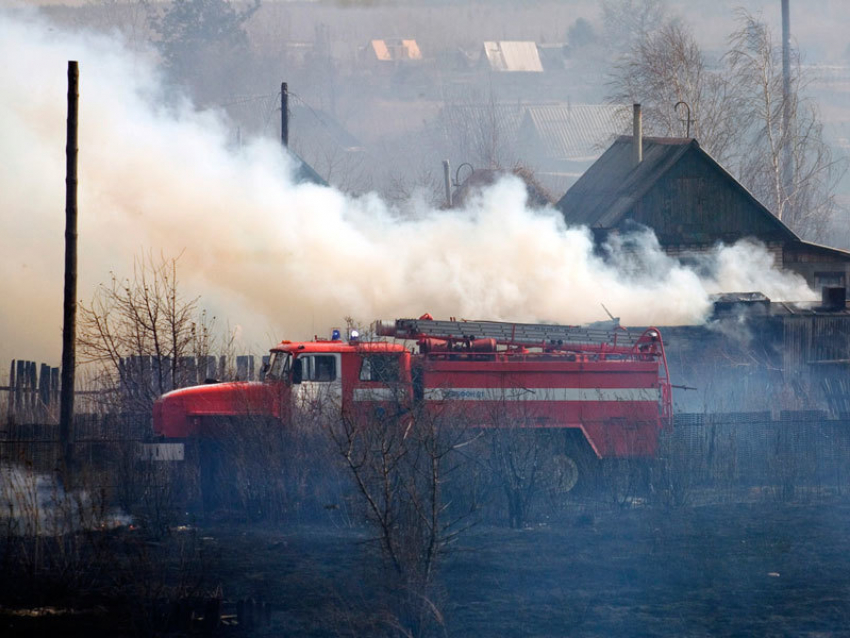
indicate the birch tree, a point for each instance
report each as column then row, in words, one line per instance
column 777, row 127
column 739, row 113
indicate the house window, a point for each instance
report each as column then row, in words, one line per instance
column 830, row 279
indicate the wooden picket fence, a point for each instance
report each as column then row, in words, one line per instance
column 32, row 394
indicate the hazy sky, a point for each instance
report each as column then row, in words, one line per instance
column 285, row 260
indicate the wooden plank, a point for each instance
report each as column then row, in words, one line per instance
column 54, row 386
column 19, row 388
column 32, row 388
column 44, row 384
column 11, row 398
column 242, row 368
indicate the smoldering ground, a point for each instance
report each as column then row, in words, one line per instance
column 275, row 257
column 34, row 504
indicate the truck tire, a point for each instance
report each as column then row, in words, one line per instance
column 565, row 473
column 574, row 467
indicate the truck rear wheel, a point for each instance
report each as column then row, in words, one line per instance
column 574, row 467
column 565, row 473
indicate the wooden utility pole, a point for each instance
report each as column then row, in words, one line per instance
column 69, row 324
column 284, row 114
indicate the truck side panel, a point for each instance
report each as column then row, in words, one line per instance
column 615, row 403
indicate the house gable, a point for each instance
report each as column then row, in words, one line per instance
column 697, row 203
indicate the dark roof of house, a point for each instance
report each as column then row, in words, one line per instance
column 306, row 173
column 314, row 124
column 614, row 184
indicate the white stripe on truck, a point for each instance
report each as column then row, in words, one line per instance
column 517, row 394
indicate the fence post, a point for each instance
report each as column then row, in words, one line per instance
column 242, row 368
column 19, row 388
column 11, row 398
column 33, row 388
column 54, row 392
column 44, row 386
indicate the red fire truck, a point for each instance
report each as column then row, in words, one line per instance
column 605, row 388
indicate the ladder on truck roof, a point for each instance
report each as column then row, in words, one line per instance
column 507, row 333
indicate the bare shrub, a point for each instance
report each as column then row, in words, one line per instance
column 399, row 461
column 673, row 474
column 72, row 549
column 534, row 470
column 259, row 468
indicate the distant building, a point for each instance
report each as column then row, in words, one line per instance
column 512, row 56
column 565, row 139
column 477, row 180
column 558, row 141
column 691, row 203
column 305, row 173
column 761, row 359
column 393, row 50
column 555, row 56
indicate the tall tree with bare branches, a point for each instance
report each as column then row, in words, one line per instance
column 805, row 199
column 736, row 112
column 667, row 67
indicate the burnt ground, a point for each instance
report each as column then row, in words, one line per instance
column 752, row 569
column 757, row 568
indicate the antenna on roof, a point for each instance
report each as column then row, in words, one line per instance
column 687, row 120
column 457, row 173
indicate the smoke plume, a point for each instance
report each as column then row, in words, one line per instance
column 277, row 258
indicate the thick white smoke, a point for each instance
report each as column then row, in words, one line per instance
column 279, row 259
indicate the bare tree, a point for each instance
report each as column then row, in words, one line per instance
column 139, row 330
column 736, row 112
column 667, row 67
column 804, row 196
column 629, row 21
column 479, row 131
column 130, row 17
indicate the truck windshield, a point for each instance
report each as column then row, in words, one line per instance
column 279, row 366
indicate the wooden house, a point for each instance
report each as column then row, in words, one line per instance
column 691, row 203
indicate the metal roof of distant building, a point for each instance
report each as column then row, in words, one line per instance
column 395, row 49
column 577, row 131
column 508, row 55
